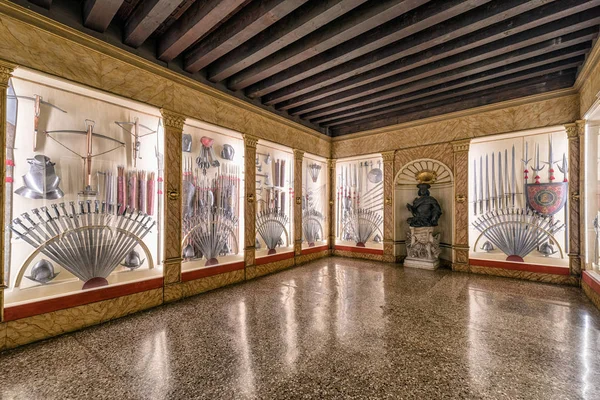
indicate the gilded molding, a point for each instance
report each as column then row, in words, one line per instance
column 580, row 126
column 572, row 130
column 171, row 119
column 298, row 154
column 461, row 145
column 249, row 140
column 6, row 70
column 388, row 156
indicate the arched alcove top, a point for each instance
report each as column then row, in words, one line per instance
column 407, row 174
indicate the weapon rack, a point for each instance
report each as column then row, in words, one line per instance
column 314, row 201
column 359, row 202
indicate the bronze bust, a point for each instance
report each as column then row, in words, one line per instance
column 425, row 209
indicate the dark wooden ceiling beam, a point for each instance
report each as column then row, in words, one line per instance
column 42, row 3
column 478, row 83
column 306, row 19
column 97, row 14
column 199, row 19
column 517, row 58
column 451, row 67
column 352, row 24
column 469, row 20
column 416, row 50
column 542, row 84
column 252, row 19
column 145, row 19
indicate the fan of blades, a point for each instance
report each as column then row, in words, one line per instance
column 89, row 243
column 361, row 224
column 210, row 231
column 312, row 226
column 314, row 170
column 517, row 232
column 270, row 225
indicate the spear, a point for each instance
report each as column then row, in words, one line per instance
column 550, row 161
column 487, row 186
column 500, row 182
column 480, row 184
column 494, row 195
column 525, row 172
column 475, row 186
column 507, row 183
column 564, row 169
column 537, row 167
column 513, row 177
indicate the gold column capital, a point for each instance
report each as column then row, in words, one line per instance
column 388, row 156
column 6, row 70
column 580, row 126
column 298, row 154
column 572, row 130
column 172, row 119
column 461, row 145
column 331, row 162
column 249, row 140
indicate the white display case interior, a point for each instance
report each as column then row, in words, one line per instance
column 314, row 201
column 518, row 197
column 212, row 196
column 82, row 194
column 274, row 194
column 359, row 202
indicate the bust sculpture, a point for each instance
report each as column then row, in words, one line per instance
column 425, row 210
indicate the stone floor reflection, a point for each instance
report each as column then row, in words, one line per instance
column 334, row 328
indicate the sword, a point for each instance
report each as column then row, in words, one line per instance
column 487, row 186
column 550, row 161
column 494, row 194
column 513, row 177
column 475, row 187
column 500, row 182
column 480, row 184
column 506, row 182
column 537, row 167
column 525, row 173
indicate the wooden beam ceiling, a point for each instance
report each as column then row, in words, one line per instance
column 343, row 66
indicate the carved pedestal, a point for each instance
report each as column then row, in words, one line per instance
column 422, row 248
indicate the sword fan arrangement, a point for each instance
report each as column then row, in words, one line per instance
column 359, row 203
column 518, row 223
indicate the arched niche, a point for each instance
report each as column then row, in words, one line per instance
column 405, row 191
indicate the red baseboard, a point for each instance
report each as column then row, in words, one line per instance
column 516, row 266
column 591, row 281
column 211, row 271
column 79, row 299
column 365, row 250
column 273, row 258
column 311, row 250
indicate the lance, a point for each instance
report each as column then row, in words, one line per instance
column 487, row 186
column 480, row 184
column 506, row 181
column 494, row 194
column 537, row 167
column 525, row 172
column 500, row 182
column 551, row 161
column 513, row 177
column 475, row 187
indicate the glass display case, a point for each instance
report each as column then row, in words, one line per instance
column 314, row 201
column 274, row 199
column 359, row 202
column 83, row 178
column 591, row 196
column 518, row 192
column 212, row 196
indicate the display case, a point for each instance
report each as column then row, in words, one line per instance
column 274, row 199
column 82, row 194
column 592, row 196
column 518, row 192
column 359, row 202
column 212, row 196
column 314, row 201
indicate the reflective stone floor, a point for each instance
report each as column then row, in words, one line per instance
column 334, row 328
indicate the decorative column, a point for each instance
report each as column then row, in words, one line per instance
column 331, row 217
column 173, row 124
column 6, row 70
column 460, row 248
column 249, row 193
column 388, row 206
column 575, row 133
column 298, row 157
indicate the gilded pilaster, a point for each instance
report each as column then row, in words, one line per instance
column 173, row 124
column 298, row 157
column 460, row 248
column 332, row 197
column 388, row 206
column 6, row 70
column 575, row 133
column 250, row 143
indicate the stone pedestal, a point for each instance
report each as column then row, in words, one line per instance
column 422, row 248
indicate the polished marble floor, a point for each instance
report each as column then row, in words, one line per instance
column 334, row 328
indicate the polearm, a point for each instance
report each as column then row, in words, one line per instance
column 481, row 184
column 500, row 181
column 513, row 177
column 507, row 182
column 494, row 194
column 475, row 187
column 487, row 186
column 525, row 173
column 537, row 167
column 550, row 162
column 564, row 169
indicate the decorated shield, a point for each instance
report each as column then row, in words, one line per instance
column 546, row 198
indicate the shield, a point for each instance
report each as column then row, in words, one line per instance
column 546, row 198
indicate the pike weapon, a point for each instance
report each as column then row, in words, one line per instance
column 513, row 178
column 537, row 167
column 550, row 161
column 475, row 186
